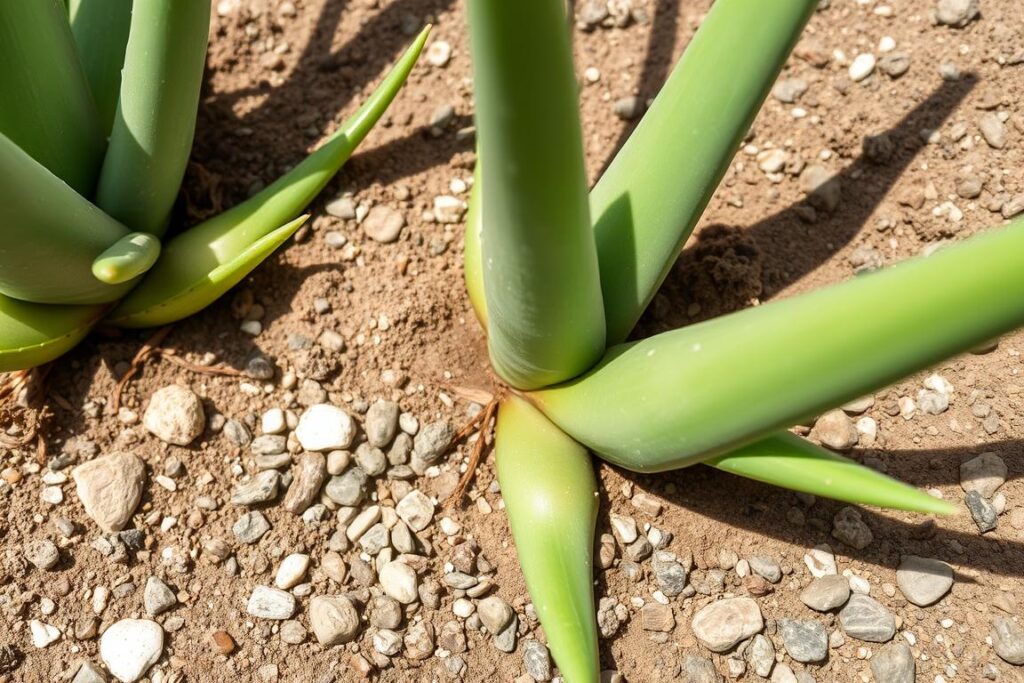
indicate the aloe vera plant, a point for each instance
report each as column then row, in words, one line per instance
column 559, row 285
column 100, row 101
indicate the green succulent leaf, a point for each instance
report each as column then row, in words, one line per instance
column 472, row 265
column 100, row 28
column 650, row 198
column 681, row 397
column 788, row 461
column 34, row 334
column 151, row 138
column 550, row 493
column 539, row 260
column 45, row 104
column 126, row 259
column 50, row 235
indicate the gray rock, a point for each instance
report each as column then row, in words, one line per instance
column 984, row 474
column 761, row 655
column 383, row 224
column 867, row 619
column 269, row 444
column 789, row 90
column 158, row 597
column 923, row 581
column 956, row 13
column 848, row 527
column 460, row 580
column 670, row 575
column 993, row 130
column 805, row 641
column 983, row 512
column 277, row 461
column 310, row 472
column 894, row 64
column 271, row 603
column 432, row 441
column 237, row 433
column 372, row 460
column 537, row 660
column 381, row 423
column 348, row 488
column 495, row 614
column 505, row 640
column 969, row 186
column 628, row 108
column 293, row 632
column 826, row 593
column 334, row 619
column 375, row 539
column 765, row 567
column 250, row 527
column 894, row 663
column 175, row 415
column 42, row 553
column 400, row 449
column 835, row 430
column 110, row 488
column 342, row 207
column 720, row 625
column 261, row 488
column 822, row 188
column 1008, row 640
column 699, row 670
column 385, row 612
column 416, row 510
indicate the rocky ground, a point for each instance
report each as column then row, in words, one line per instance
column 288, row 522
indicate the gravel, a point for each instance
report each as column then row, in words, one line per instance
column 348, row 488
column 848, row 527
column 495, row 614
column 325, row 427
column 130, row 647
column 835, row 430
column 805, row 641
column 1008, row 640
column 175, row 415
column 766, row 567
column 867, row 619
column 110, row 488
column 381, row 423
column 250, row 527
column 158, row 597
column 261, row 488
column 720, row 625
column 537, row 660
column 271, row 603
column 760, row 655
column 923, row 581
column 383, row 224
column 956, row 13
column 983, row 512
column 416, row 510
column 894, row 663
column 984, row 474
column 309, row 475
column 333, row 619
column 43, row 554
column 399, row 582
column 291, row 571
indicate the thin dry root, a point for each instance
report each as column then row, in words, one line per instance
column 150, row 348
column 481, row 423
column 22, row 412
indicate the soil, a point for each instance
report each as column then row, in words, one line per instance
column 280, row 76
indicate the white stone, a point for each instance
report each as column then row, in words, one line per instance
column 438, row 53
column 273, row 421
column 110, row 488
column 821, row 561
column 624, row 528
column 362, row 522
column 175, row 415
column 271, row 603
column 862, row 66
column 448, row 209
column 292, row 570
column 324, row 427
column 463, row 608
column 130, row 647
column 43, row 634
column 416, row 510
column 399, row 582
column 887, row 44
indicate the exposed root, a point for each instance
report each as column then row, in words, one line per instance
column 210, row 199
column 22, row 411
column 151, row 348
column 481, row 424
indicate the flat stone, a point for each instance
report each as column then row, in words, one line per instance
column 250, row 527
column 325, row 427
column 761, row 655
column 432, row 441
column 805, row 641
column 699, row 670
column 175, row 415
column 271, row 603
column 894, row 663
column 334, row 619
column 983, row 512
column 310, row 473
column 383, row 224
column 269, row 444
column 110, row 488
column 495, row 614
column 348, row 488
column 826, row 593
column 416, row 510
column 722, row 624
column 820, row 561
column 261, row 488
column 789, row 90
column 923, row 581
column 984, row 474
column 1008, row 640
column 158, row 597
column 537, row 660
column 381, row 423
column 765, row 567
column 130, row 647
column 399, row 582
column 657, row 617
column 867, row 619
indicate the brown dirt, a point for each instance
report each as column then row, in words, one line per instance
column 260, row 113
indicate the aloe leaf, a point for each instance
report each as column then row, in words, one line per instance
column 188, row 257
column 539, row 260
column 34, row 334
column 650, row 198
column 47, row 108
column 550, row 493
column 126, row 259
column 471, row 263
column 50, row 235
column 151, row 137
column 788, row 461
column 188, row 278
column 100, row 28
column 690, row 394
